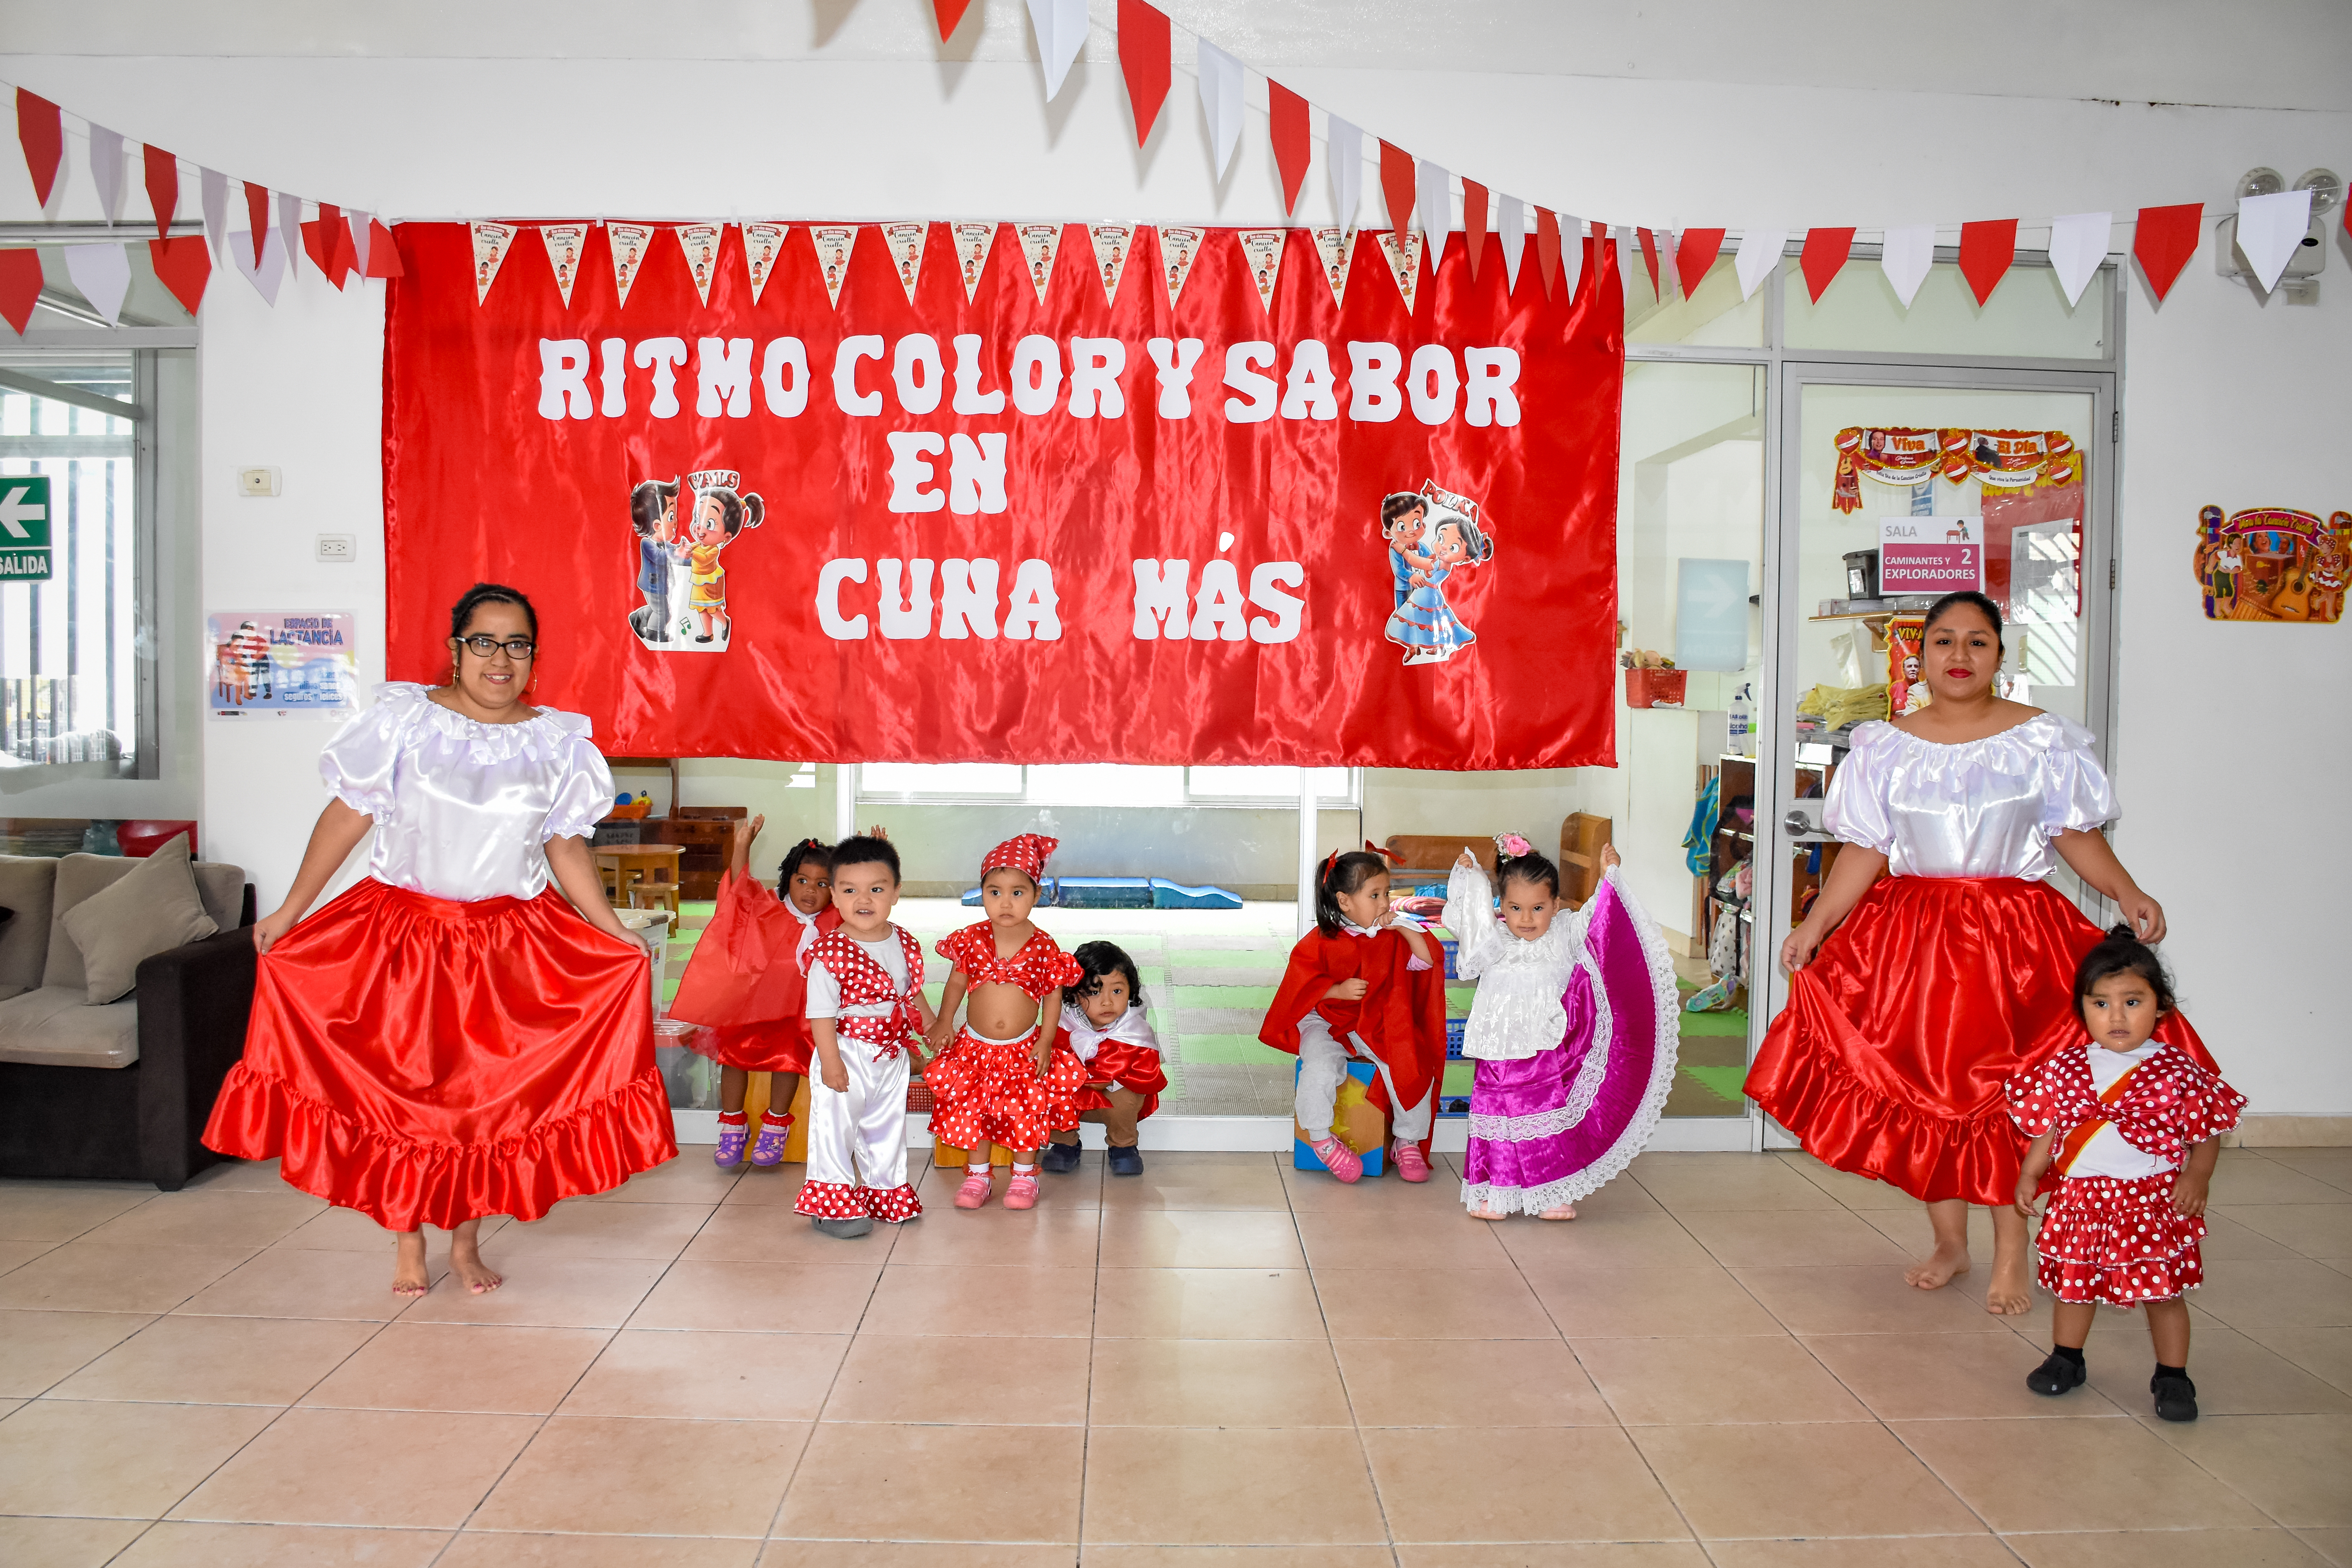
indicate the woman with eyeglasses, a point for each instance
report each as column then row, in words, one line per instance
column 468, row 1030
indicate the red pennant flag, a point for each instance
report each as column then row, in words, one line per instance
column 384, row 256
column 1396, row 185
column 183, row 266
column 43, row 133
column 1142, row 60
column 1824, row 252
column 20, row 285
column 2164, row 240
column 1547, row 247
column 1474, row 221
column 950, row 12
column 163, row 191
column 1650, row 257
column 1986, row 250
column 1695, row 255
column 343, row 257
column 318, row 246
column 1294, row 144
column 257, row 215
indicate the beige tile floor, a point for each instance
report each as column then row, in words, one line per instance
column 1718, row 1363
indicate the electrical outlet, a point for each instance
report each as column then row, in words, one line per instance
column 257, row 481
column 338, row 547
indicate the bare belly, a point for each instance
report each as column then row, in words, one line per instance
column 1001, row 1011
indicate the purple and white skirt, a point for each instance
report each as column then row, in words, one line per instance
column 1547, row 1130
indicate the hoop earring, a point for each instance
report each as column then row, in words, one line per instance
column 453, row 672
column 532, row 687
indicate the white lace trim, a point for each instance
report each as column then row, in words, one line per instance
column 1496, row 1199
column 533, row 737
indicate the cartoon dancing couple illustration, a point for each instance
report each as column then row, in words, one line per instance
column 679, row 574
column 1432, row 533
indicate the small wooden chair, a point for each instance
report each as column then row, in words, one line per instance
column 1582, row 836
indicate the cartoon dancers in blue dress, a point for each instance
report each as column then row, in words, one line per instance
column 1423, row 623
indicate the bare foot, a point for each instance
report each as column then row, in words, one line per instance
column 1487, row 1214
column 1948, row 1265
column 409, row 1274
column 1565, row 1210
column 2009, row 1294
column 465, row 1260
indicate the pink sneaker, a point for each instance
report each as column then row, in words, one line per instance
column 974, row 1191
column 732, row 1136
column 769, row 1151
column 1411, row 1164
column 1339, row 1159
column 1021, row 1193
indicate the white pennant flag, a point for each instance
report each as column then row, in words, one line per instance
column 2269, row 229
column 1511, row 229
column 1760, row 252
column 1114, row 243
column 1669, row 275
column 565, row 241
column 2078, row 244
column 904, row 241
column 1336, row 248
column 289, row 229
column 972, row 241
column 1347, row 171
column 1905, row 257
column 762, row 243
column 628, row 241
column 1061, row 28
column 1262, row 254
column 102, row 275
column 1402, row 253
column 700, row 243
column 1572, row 241
column 1039, row 242
column 1178, row 247
column 1220, row 100
column 214, row 186
column 1631, row 271
column 1432, row 205
column 490, row 242
column 364, row 239
column 106, row 170
column 265, row 277
column 833, row 245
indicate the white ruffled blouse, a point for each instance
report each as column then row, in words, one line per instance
column 1978, row 808
column 1517, row 1011
column 1130, row 1027
column 463, row 809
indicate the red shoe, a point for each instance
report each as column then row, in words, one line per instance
column 1341, row 1160
column 974, row 1191
column 1411, row 1164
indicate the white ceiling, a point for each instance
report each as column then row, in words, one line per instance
column 2268, row 53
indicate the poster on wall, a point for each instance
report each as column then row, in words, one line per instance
column 1009, row 514
column 281, row 664
column 2273, row 564
column 1930, row 554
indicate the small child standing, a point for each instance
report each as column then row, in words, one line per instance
column 1365, row 984
column 1103, row 1025
column 865, row 1013
column 1003, row 1078
column 1573, row 1031
column 2129, row 1128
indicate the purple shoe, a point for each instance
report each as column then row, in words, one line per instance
column 769, row 1151
column 732, row 1136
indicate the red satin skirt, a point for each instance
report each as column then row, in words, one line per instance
column 1892, row 1057
column 780, row 1046
column 429, row 1062
column 989, row 1091
column 1116, row 1064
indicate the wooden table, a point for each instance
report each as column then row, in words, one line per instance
column 633, row 872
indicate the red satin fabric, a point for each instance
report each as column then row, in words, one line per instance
column 1120, row 1063
column 430, row 1062
column 989, row 1091
column 1892, row 1057
column 745, row 983
column 1402, row 1016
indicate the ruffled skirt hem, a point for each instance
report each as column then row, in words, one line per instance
column 2118, row 1241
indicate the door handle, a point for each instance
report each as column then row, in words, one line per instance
column 1802, row 828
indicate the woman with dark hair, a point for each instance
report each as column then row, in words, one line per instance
column 1935, row 963
column 452, row 1037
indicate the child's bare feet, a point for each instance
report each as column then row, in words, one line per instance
column 2011, row 1291
column 466, row 1259
column 1486, row 1214
column 1565, row 1210
column 1946, row 1264
column 409, row 1274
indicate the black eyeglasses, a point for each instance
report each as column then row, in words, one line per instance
column 485, row 646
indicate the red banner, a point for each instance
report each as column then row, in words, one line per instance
column 1016, row 501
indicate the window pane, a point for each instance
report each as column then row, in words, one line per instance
column 1268, row 783
column 1104, row 783
column 940, row 778
column 1713, row 315
column 2027, row 316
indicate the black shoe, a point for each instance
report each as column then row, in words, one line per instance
column 2057, row 1375
column 1060, row 1159
column 846, row 1229
column 1126, row 1161
column 2176, row 1397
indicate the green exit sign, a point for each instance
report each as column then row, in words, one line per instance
column 24, row 528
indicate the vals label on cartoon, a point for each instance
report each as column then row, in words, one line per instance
column 682, row 531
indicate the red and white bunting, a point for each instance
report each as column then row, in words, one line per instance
column 1402, row 253
column 163, row 173
column 564, row 242
column 184, row 266
column 834, row 244
column 213, row 193
column 20, row 283
column 289, row 229
column 762, row 243
column 2078, row 244
column 1906, row 256
column 363, row 243
column 490, row 243
column 1336, row 248
column 1573, row 242
column 1824, row 252
column 102, row 275
column 2163, row 240
column 904, row 241
column 629, row 242
column 1511, row 229
column 1113, row 243
column 972, row 242
column 1144, row 60
column 2269, row 228
column 41, row 131
column 1433, row 206
column 1347, row 154
column 1220, row 102
column 1696, row 256
column 1061, row 28
column 1985, row 252
column 106, row 171
column 700, row 243
column 1039, row 243
column 256, row 216
column 1178, row 247
column 1262, row 254
column 1759, row 252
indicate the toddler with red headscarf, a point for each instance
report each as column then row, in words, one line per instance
column 1002, row 1078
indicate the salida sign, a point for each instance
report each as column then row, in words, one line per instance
column 25, row 529
column 926, row 495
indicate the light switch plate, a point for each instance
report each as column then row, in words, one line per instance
column 338, row 547
column 257, row 481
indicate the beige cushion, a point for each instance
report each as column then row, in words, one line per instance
column 28, row 885
column 54, row 1027
column 81, row 877
column 152, row 908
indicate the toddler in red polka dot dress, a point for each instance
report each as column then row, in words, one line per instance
column 2127, row 1129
